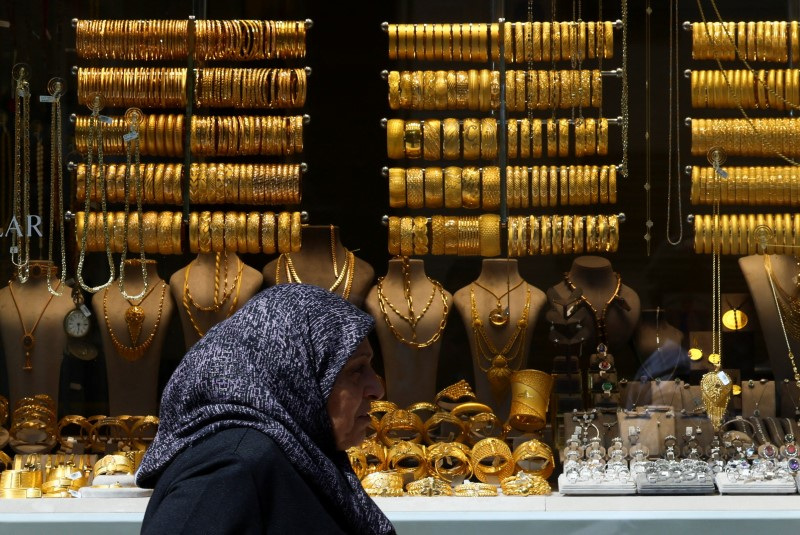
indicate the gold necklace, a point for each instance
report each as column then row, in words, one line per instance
column 187, row 298
column 599, row 319
column 134, row 316
column 218, row 300
column 500, row 361
column 134, row 352
column 20, row 240
column 498, row 316
column 792, row 315
column 28, row 339
column 734, row 319
column 55, row 87
column 411, row 318
column 346, row 275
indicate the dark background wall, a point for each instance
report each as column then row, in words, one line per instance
column 345, row 147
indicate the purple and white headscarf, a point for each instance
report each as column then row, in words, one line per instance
column 271, row 366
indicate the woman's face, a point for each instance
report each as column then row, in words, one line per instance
column 355, row 387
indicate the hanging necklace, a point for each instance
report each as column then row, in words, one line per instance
column 134, row 316
column 734, row 318
column 411, row 318
column 599, row 318
column 498, row 363
column 499, row 316
column 648, row 124
column 658, row 330
column 788, row 388
column 20, row 240
column 716, row 386
column 752, row 384
column 56, row 88
column 676, row 88
column 134, row 352
column 28, row 339
column 695, row 353
column 218, row 302
column 791, row 313
column 40, row 179
column 346, row 275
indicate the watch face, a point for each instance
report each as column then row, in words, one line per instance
column 76, row 324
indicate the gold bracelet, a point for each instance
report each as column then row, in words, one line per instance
column 512, row 141
column 432, row 146
column 434, row 187
column 395, row 145
column 452, row 187
column 284, row 232
column 412, row 139
column 577, row 239
column 471, row 139
column 420, row 233
column 489, row 235
column 394, row 235
column 470, row 187
column 397, row 187
column 492, row 458
column 437, row 235
column 229, row 233
column 253, row 232
column 295, row 232
column 415, row 187
column 490, row 186
column 451, row 149
column 406, row 236
column 451, row 235
column 488, row 140
column 591, row 234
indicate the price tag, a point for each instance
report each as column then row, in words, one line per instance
column 130, row 136
column 47, row 98
column 105, row 119
column 14, row 249
column 85, row 310
column 75, row 475
column 724, row 378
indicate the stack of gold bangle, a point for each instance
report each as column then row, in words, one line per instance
column 34, row 420
column 463, row 236
column 222, row 87
column 777, row 89
column 747, row 185
column 524, row 484
column 383, row 484
column 246, row 40
column 24, row 481
column 747, row 233
column 374, row 454
column 756, row 41
column 747, row 137
column 245, row 232
column 586, row 137
column 524, row 41
column 159, row 135
column 492, row 460
column 480, row 89
column 161, row 231
column 65, row 473
column 144, row 87
column 161, row 183
column 244, row 183
column 74, row 430
column 450, row 139
column 429, row 486
column 247, row 135
column 443, row 427
column 114, row 464
column 568, row 234
column 534, row 457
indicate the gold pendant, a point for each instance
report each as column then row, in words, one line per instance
column 737, row 390
column 734, row 319
column 28, row 342
column 714, row 359
column 695, row 353
column 498, row 317
column 716, row 389
column 134, row 317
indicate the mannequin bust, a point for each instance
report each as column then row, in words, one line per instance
column 658, row 346
column 313, row 264
column 410, row 372
column 784, row 269
column 597, row 281
column 193, row 289
column 32, row 301
column 133, row 355
column 499, row 324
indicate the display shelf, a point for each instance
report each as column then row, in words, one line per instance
column 556, row 514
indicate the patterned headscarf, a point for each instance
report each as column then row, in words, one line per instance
column 271, row 366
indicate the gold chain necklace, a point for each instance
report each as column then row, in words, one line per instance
column 134, row 316
column 599, row 319
column 411, row 318
column 346, row 275
column 498, row 316
column 134, row 352
column 218, row 300
column 55, row 88
column 187, row 298
column 790, row 312
column 20, row 240
column 500, row 361
column 28, row 339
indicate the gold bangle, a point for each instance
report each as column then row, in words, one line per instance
column 150, row 231
column 397, row 187
column 394, row 235
column 547, row 235
column 524, row 484
column 420, row 233
column 268, row 244
column 452, row 139
column 253, row 232
column 451, row 235
column 489, row 235
column 492, row 459
column 591, row 234
column 536, row 139
column 229, row 235
column 415, row 187
column 563, row 137
column 452, row 187
column 407, row 458
column 524, row 137
column 471, row 139
column 284, row 232
column 577, row 240
column 512, row 141
column 613, row 233
column 395, row 146
column 434, row 187
column 602, row 232
column 470, row 187
column 604, row 196
column 177, row 227
column 295, row 232
column 204, row 232
column 432, row 146
column 165, row 232
column 406, row 236
column 488, row 139
column 558, row 232
column 490, row 186
column 567, row 240
column 412, row 139
column 552, row 138
column 437, row 235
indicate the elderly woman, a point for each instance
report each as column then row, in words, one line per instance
column 256, row 418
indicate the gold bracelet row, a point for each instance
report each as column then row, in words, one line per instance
column 523, row 41
column 479, row 187
column 451, row 235
column 247, row 135
column 472, row 139
column 163, row 134
column 756, row 41
column 257, row 184
column 33, row 420
column 95, row 432
column 242, row 232
column 747, row 185
column 747, row 137
column 568, row 234
column 480, row 89
column 215, row 87
column 158, row 40
column 777, row 89
column 746, row 233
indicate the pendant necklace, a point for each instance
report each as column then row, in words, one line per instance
column 499, row 316
column 134, row 316
column 734, row 319
column 28, row 339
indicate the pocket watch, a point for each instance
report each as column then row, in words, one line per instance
column 76, row 322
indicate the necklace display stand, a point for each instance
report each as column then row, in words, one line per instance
column 659, row 347
column 314, row 264
column 498, row 276
column 410, row 370
column 132, row 365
